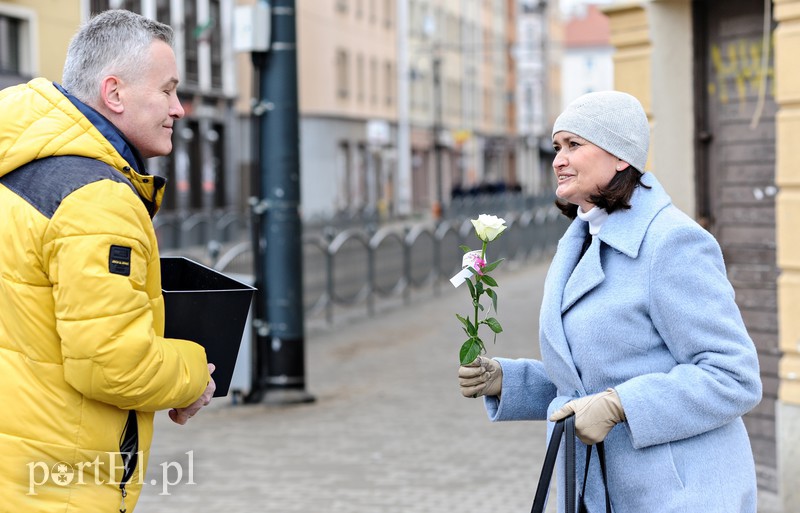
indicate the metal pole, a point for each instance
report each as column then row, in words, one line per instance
column 281, row 229
column 437, row 129
column 404, row 185
column 260, row 324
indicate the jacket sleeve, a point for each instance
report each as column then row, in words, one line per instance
column 716, row 376
column 527, row 392
column 111, row 350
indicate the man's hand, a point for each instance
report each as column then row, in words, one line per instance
column 483, row 376
column 595, row 415
column 182, row 415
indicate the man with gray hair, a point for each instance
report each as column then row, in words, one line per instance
column 83, row 359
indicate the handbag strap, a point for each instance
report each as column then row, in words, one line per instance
column 565, row 425
column 569, row 463
column 601, row 453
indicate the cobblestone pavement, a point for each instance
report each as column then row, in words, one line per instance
column 389, row 431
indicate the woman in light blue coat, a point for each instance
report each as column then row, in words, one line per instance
column 640, row 335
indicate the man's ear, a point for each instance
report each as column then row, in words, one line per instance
column 110, row 96
column 622, row 165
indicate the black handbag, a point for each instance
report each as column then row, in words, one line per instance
column 566, row 427
column 601, row 454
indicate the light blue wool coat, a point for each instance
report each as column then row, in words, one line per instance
column 651, row 313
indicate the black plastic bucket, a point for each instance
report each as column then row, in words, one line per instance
column 207, row 307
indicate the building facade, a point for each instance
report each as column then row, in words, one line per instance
column 537, row 42
column 459, row 92
column 587, row 58
column 34, row 38
column 720, row 87
column 202, row 171
column 347, row 65
column 454, row 97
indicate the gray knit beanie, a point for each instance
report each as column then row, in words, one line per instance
column 612, row 120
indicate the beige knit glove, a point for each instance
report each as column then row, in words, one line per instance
column 595, row 415
column 483, row 376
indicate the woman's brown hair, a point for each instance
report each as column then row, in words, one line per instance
column 615, row 196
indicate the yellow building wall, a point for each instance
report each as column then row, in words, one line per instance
column 56, row 21
column 633, row 56
column 787, row 220
column 787, row 178
column 632, row 73
column 634, row 63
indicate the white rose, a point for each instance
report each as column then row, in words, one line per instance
column 488, row 227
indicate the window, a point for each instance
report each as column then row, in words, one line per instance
column 214, row 35
column 195, row 167
column 413, row 87
column 388, row 11
column 373, row 81
column 216, row 137
column 203, row 30
column 18, row 61
column 389, row 83
column 360, row 78
column 10, row 45
column 191, row 73
column 342, row 72
column 163, row 11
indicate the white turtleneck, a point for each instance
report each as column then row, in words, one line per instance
column 595, row 217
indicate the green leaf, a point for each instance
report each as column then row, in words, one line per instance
column 479, row 288
column 470, row 350
column 491, row 267
column 480, row 306
column 470, row 328
column 471, row 288
column 493, row 324
column 492, row 294
column 489, row 281
column 465, row 249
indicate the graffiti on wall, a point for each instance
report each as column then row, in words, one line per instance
column 739, row 70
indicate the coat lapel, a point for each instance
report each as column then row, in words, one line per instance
column 555, row 349
column 587, row 275
column 624, row 230
column 569, row 280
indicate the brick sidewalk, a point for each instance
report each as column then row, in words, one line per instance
column 389, row 431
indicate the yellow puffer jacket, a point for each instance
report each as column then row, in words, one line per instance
column 81, row 311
